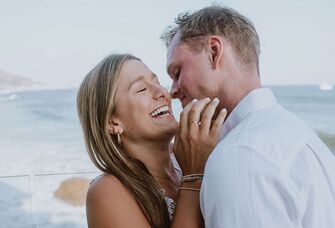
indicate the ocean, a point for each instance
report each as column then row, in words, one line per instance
column 41, row 145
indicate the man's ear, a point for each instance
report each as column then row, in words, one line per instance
column 114, row 126
column 215, row 45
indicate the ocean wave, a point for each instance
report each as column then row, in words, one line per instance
column 12, row 97
column 328, row 139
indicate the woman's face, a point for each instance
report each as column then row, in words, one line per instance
column 143, row 106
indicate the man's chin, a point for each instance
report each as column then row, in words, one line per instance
column 184, row 102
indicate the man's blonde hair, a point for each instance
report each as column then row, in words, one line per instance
column 238, row 30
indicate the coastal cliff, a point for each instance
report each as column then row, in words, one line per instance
column 9, row 83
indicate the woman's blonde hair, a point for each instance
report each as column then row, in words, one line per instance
column 96, row 104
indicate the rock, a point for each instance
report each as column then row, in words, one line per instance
column 73, row 191
column 328, row 139
column 12, row 83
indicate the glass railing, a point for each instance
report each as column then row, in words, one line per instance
column 50, row 200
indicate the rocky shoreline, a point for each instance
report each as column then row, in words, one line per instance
column 11, row 83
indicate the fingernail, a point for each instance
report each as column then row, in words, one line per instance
column 216, row 99
column 207, row 98
column 224, row 110
column 195, row 100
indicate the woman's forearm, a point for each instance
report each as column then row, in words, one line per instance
column 187, row 213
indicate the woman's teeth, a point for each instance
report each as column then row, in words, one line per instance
column 161, row 111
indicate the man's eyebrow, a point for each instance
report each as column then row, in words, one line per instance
column 140, row 78
column 154, row 76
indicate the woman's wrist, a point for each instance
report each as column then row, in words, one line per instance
column 189, row 172
column 192, row 177
column 192, row 184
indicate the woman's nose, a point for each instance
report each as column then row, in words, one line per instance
column 161, row 92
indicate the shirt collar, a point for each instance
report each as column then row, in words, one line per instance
column 256, row 99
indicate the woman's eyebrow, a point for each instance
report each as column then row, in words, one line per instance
column 140, row 78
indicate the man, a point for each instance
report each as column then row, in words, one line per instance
column 269, row 170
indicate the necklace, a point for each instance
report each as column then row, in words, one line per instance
column 162, row 191
column 162, row 177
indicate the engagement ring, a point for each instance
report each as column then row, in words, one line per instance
column 195, row 122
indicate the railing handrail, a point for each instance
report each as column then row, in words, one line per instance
column 48, row 174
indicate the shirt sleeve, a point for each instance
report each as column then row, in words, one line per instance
column 243, row 188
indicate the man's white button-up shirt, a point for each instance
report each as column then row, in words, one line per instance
column 268, row 171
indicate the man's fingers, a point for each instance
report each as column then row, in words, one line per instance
column 218, row 122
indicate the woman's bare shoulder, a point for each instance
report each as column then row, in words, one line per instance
column 110, row 204
column 105, row 184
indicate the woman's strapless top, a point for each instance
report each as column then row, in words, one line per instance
column 171, row 205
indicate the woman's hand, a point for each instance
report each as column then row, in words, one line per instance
column 197, row 135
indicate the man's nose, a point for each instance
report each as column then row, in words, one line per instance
column 174, row 90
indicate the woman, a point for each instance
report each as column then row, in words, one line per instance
column 128, row 126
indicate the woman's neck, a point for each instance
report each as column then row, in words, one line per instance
column 157, row 159
column 155, row 156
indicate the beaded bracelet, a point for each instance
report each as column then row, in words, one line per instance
column 190, row 189
column 192, row 177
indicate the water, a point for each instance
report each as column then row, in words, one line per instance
column 40, row 135
column 314, row 106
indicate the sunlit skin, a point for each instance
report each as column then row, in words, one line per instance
column 138, row 95
column 189, row 72
column 145, row 137
column 212, row 72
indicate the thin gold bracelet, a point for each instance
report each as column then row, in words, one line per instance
column 191, row 178
column 190, row 189
column 194, row 175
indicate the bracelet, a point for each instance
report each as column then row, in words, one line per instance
column 190, row 189
column 192, row 177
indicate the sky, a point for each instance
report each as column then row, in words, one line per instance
column 59, row 42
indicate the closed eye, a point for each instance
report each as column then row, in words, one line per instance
column 176, row 76
column 144, row 89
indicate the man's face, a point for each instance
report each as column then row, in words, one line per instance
column 190, row 71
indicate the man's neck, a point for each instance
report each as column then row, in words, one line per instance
column 239, row 87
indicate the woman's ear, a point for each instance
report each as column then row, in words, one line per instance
column 215, row 44
column 114, row 126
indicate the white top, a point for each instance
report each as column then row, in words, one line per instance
column 268, row 171
column 171, row 205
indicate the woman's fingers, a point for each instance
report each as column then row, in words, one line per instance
column 207, row 116
column 183, row 125
column 196, row 110
column 190, row 117
column 217, row 125
column 191, row 146
column 194, row 117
